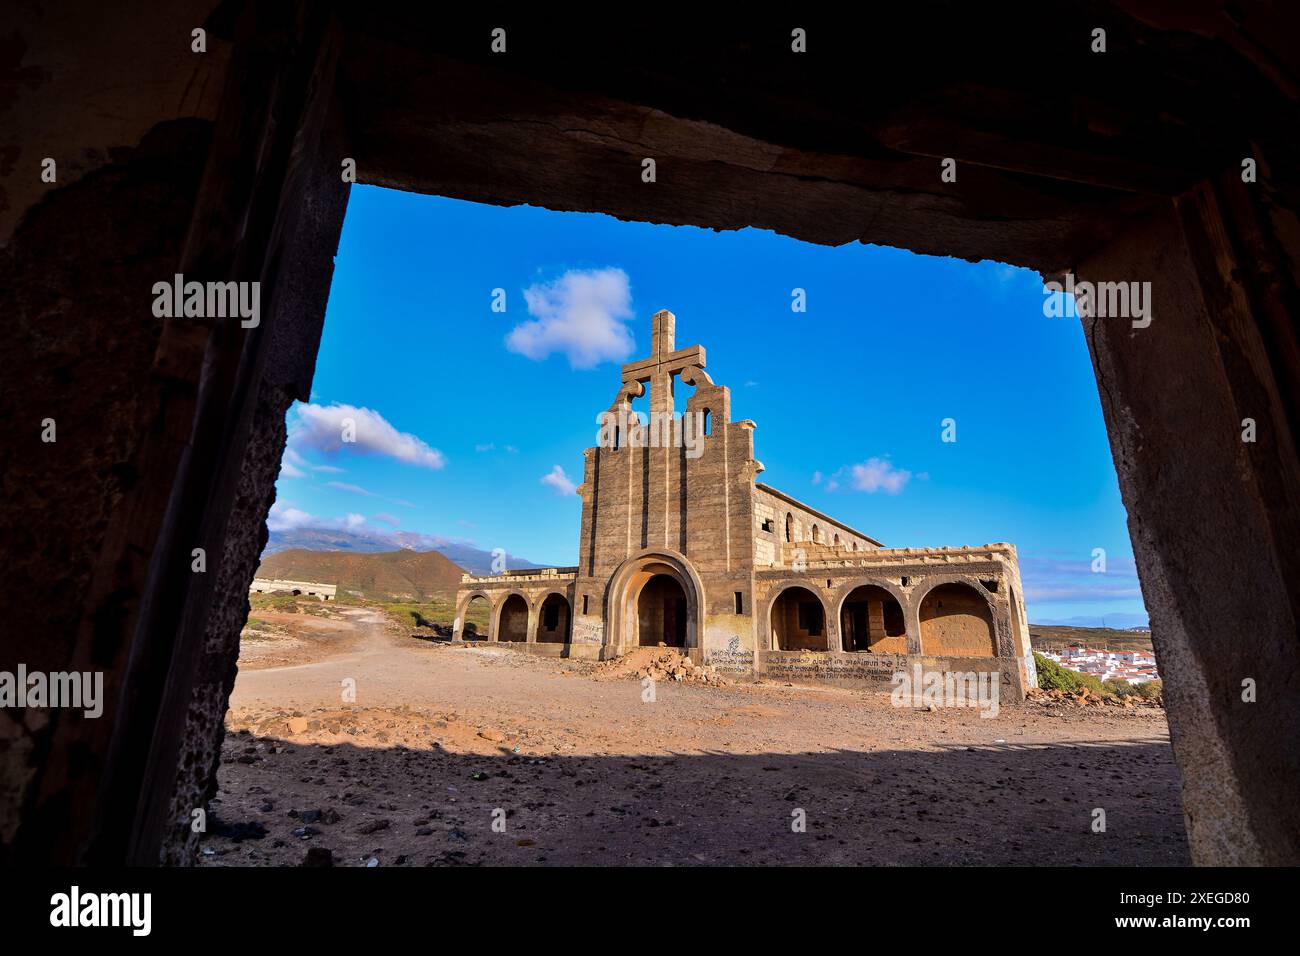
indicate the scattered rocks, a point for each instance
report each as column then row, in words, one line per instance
column 1087, row 698
column 660, row 664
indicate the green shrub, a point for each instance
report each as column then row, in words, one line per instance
column 1052, row 676
column 1094, row 684
column 1120, row 687
column 1151, row 689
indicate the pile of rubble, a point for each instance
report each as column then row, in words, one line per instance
column 1086, row 698
column 669, row 665
column 661, row 664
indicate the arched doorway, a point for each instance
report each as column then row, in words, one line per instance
column 476, row 620
column 956, row 622
column 553, row 620
column 662, row 612
column 798, row 621
column 871, row 619
column 672, row 611
column 512, row 620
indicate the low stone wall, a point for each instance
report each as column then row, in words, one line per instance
column 878, row 670
column 577, row 652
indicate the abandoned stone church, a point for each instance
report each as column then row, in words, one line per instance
column 681, row 545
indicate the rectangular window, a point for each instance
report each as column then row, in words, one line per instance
column 767, row 525
column 810, row 618
column 584, row 604
column 740, row 603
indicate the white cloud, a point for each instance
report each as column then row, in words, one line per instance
column 358, row 490
column 877, row 474
column 486, row 446
column 582, row 315
column 284, row 518
column 385, row 517
column 321, row 428
column 558, row 480
column 872, row 475
column 353, row 489
column 296, row 466
column 1082, row 592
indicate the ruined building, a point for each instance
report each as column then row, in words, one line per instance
column 1171, row 158
column 681, row 545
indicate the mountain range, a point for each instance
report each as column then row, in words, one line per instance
column 472, row 559
column 380, row 576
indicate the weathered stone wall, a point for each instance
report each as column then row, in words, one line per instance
column 956, row 622
column 987, row 576
column 83, row 251
column 782, row 511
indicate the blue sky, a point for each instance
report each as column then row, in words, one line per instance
column 464, row 413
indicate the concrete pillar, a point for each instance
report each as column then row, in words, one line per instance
column 534, row 617
column 912, row 617
column 1212, row 517
column 875, row 621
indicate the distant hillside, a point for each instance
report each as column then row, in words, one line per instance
column 1118, row 621
column 380, row 576
column 472, row 559
column 1054, row 637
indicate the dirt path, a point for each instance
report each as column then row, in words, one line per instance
column 442, row 741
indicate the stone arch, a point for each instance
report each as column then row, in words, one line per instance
column 816, row 534
column 791, row 628
column 887, row 633
column 462, row 615
column 624, row 592
column 957, row 619
column 506, row 622
column 554, row 618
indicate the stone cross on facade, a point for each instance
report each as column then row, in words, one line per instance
column 664, row 362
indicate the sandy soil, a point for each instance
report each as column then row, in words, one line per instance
column 476, row 755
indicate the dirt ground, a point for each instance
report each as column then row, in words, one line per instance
column 474, row 755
